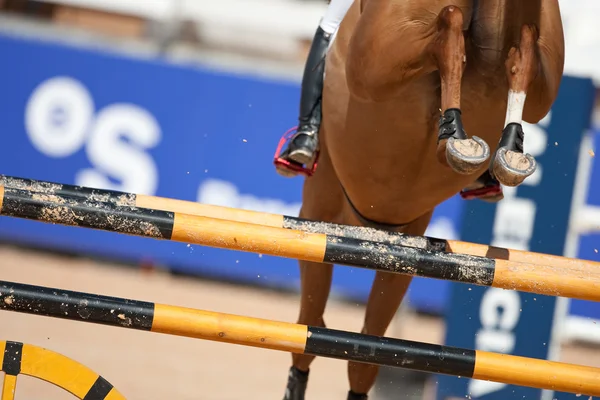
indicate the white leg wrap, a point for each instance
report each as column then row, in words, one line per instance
column 334, row 15
column 515, row 106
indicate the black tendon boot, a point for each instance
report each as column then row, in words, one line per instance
column 303, row 145
column 356, row 396
column 296, row 384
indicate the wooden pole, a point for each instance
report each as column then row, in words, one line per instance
column 288, row 222
column 296, row 338
column 315, row 247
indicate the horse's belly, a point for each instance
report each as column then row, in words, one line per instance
column 385, row 156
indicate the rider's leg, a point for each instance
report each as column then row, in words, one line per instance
column 301, row 149
column 304, row 143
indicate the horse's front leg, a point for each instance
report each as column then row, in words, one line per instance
column 465, row 155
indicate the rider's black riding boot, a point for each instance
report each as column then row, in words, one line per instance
column 303, row 145
column 296, row 385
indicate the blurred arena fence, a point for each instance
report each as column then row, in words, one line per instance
column 272, row 28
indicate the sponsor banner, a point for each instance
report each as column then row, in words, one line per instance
column 534, row 217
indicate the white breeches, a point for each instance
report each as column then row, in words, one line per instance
column 334, row 15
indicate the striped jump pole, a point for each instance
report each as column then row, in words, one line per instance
column 294, row 223
column 300, row 339
column 581, row 283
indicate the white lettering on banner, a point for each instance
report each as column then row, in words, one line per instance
column 224, row 193
column 127, row 162
column 515, row 217
column 514, row 221
column 535, row 143
column 513, row 228
column 60, row 120
column 57, row 116
column 442, row 228
column 499, row 313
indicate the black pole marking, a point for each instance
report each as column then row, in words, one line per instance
column 411, row 261
column 85, row 213
column 391, row 352
column 13, row 354
column 80, row 192
column 78, row 306
column 99, row 390
column 365, row 233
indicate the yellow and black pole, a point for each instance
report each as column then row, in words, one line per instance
column 582, row 283
column 119, row 198
column 301, row 339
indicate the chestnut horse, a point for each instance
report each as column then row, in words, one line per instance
column 405, row 81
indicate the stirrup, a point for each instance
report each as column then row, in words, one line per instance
column 278, row 161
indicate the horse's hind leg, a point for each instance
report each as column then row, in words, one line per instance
column 509, row 165
column 395, row 43
column 534, row 68
column 464, row 155
column 386, row 295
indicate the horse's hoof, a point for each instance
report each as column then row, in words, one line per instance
column 466, row 156
column 511, row 168
column 356, row 396
column 296, row 385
